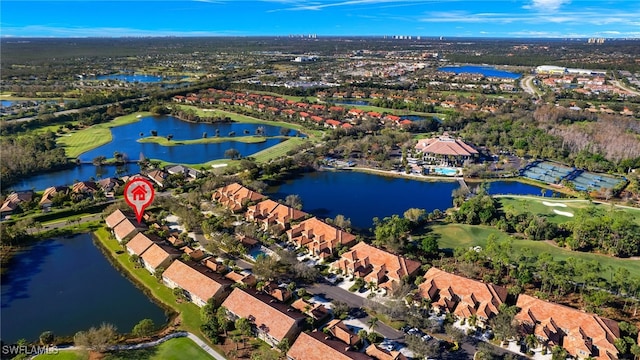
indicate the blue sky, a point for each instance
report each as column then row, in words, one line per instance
column 475, row 18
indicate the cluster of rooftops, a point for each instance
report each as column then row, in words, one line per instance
column 202, row 278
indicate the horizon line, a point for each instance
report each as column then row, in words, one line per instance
column 317, row 36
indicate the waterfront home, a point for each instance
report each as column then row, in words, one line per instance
column 138, row 244
column 49, row 194
column 269, row 212
column 315, row 310
column 271, row 320
column 446, row 150
column 235, row 196
column 117, row 217
column 109, row 184
column 85, row 188
column 158, row 256
column 184, row 171
column 382, row 354
column 158, row 176
column 320, row 238
column 316, row 345
column 127, row 228
column 13, row 201
column 376, row 265
column 461, row 296
column 198, row 283
column 582, row 334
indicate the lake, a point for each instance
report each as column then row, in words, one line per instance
column 124, row 140
column 70, row 176
column 66, row 285
column 141, row 78
column 484, row 70
column 362, row 196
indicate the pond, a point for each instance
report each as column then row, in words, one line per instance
column 70, row 176
column 66, row 285
column 484, row 70
column 362, row 196
column 419, row 118
column 125, row 140
column 352, row 102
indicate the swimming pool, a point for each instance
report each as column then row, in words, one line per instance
column 445, row 171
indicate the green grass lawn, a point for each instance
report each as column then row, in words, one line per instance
column 64, row 355
column 78, row 142
column 451, row 236
column 534, row 204
column 189, row 312
column 174, row 349
column 278, row 150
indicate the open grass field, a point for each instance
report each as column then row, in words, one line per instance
column 536, row 205
column 278, row 150
column 451, row 236
column 173, row 349
column 75, row 143
column 189, row 312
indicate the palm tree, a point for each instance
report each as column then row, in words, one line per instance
column 373, row 323
column 531, row 341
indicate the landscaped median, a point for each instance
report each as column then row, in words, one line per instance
column 188, row 313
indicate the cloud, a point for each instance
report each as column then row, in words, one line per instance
column 546, row 5
column 297, row 5
column 52, row 31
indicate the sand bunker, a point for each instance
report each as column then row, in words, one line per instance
column 545, row 203
column 563, row 213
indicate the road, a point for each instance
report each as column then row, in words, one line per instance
column 626, row 88
column 528, row 86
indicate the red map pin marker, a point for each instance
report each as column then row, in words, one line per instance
column 139, row 193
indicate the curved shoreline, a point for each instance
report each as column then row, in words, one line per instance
column 250, row 139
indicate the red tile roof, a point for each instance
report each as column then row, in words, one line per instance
column 271, row 212
column 158, row 255
column 445, row 145
column 139, row 243
column 268, row 315
column 340, row 331
column 319, row 237
column 196, row 280
column 318, row 346
column 235, row 196
column 580, row 333
column 377, row 265
column 381, row 354
column 462, row 296
column 126, row 228
column 116, row 217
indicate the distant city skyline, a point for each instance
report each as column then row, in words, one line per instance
column 426, row 18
